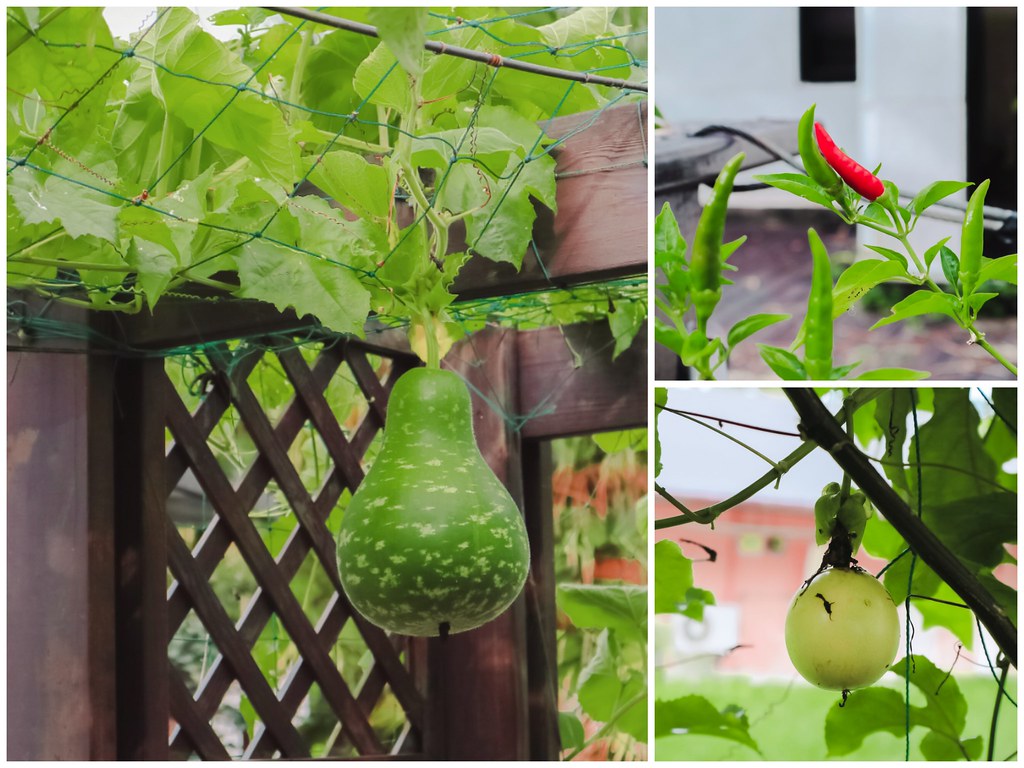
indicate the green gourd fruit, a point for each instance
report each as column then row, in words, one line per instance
column 431, row 543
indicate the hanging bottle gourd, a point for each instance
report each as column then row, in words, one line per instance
column 431, row 543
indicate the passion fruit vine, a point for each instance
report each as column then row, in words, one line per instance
column 842, row 629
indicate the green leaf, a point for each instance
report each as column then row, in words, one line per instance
column 669, row 245
column 931, row 253
column 403, row 31
column 922, row 302
column 668, row 336
column 620, row 608
column 976, row 528
column 977, row 300
column 613, row 442
column 951, row 438
column 894, row 374
column 673, row 576
column 625, row 322
column 354, row 183
column 239, row 120
column 859, row 278
column 875, row 213
column 1005, row 597
column 954, row 618
column 799, row 185
column 1003, row 268
column 934, row 192
column 570, row 731
column 312, row 286
column 890, row 254
column 697, row 716
column 604, row 692
column 660, row 399
column 867, row 711
column 378, row 80
column 784, row 363
column 950, row 267
column 945, row 710
column 728, row 249
column 748, row 326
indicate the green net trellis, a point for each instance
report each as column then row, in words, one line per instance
column 46, row 163
column 68, row 279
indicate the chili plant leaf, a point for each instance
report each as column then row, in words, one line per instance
column 1003, row 268
column 896, row 374
column 890, row 254
column 950, row 267
column 934, row 192
column 748, row 326
column 799, row 185
column 669, row 245
column 921, row 302
column 931, row 253
column 786, row 365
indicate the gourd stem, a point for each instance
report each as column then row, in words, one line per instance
column 430, row 331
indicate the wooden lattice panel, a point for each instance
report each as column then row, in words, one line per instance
column 232, row 531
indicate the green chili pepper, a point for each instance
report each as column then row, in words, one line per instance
column 705, row 256
column 818, row 339
column 814, row 162
column 972, row 240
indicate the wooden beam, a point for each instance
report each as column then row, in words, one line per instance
column 569, row 384
column 600, row 231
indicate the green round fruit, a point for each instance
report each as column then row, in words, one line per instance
column 842, row 630
column 431, row 542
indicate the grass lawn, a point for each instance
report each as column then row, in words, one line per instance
column 788, row 721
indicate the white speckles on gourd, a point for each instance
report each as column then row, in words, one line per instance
column 433, row 517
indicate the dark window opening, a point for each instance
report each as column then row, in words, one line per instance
column 828, row 45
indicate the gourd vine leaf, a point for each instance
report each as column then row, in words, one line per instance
column 403, row 31
column 697, row 716
column 880, row 709
column 673, row 583
column 619, row 608
column 605, row 690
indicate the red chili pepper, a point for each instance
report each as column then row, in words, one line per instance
column 863, row 181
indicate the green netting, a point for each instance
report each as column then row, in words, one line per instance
column 119, row 241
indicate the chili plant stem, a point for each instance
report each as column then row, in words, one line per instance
column 979, row 339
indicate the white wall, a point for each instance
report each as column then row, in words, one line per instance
column 906, row 109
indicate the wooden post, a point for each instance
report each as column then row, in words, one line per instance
column 141, row 560
column 478, row 687
column 60, row 564
column 541, row 644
